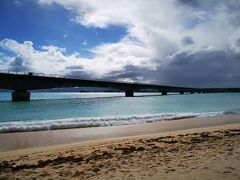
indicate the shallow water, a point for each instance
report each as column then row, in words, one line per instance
column 70, row 110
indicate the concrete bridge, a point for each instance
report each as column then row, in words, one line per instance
column 22, row 82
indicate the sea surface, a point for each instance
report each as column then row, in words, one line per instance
column 48, row 111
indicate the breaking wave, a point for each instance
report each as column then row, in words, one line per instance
column 69, row 123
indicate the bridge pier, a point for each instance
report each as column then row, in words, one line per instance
column 20, row 96
column 129, row 93
column 164, row 93
column 191, row 92
column 181, row 92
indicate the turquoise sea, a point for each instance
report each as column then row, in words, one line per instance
column 71, row 110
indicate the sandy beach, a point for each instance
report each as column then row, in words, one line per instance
column 119, row 90
column 197, row 148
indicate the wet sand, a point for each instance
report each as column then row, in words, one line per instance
column 203, row 153
column 23, row 140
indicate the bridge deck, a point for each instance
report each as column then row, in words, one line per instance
column 22, row 82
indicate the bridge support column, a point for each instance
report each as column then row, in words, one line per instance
column 129, row 93
column 191, row 92
column 181, row 92
column 164, row 92
column 20, row 96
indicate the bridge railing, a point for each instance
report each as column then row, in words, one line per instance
column 154, row 86
column 57, row 76
column 29, row 73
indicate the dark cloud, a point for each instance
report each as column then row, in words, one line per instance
column 201, row 4
column 129, row 72
column 77, row 71
column 79, row 74
column 192, row 3
column 19, row 64
column 235, row 21
column 238, row 42
column 187, row 40
column 74, row 68
column 233, row 11
column 205, row 68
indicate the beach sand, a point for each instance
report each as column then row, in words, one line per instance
column 190, row 149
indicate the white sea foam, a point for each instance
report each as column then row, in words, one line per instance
column 39, row 125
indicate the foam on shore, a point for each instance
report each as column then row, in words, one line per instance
column 69, row 123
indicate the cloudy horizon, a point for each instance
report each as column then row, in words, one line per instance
column 177, row 42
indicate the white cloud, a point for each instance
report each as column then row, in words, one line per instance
column 85, row 43
column 51, row 59
column 65, row 36
column 160, row 25
column 17, row 2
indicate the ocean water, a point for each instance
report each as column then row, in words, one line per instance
column 48, row 111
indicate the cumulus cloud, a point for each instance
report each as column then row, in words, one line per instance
column 174, row 42
column 52, row 59
column 47, row 59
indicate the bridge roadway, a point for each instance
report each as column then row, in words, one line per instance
column 22, row 82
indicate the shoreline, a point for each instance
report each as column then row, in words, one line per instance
column 196, row 153
column 36, row 139
column 74, row 123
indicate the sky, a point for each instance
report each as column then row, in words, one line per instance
column 176, row 42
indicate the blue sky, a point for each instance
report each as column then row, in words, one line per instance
column 27, row 20
column 175, row 42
